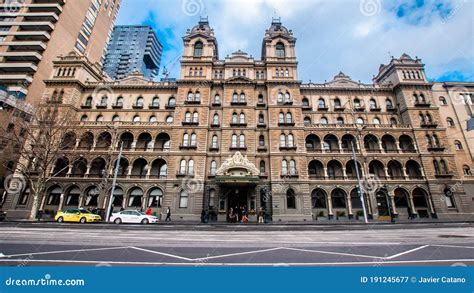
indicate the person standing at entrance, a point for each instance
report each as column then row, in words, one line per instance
column 168, row 215
column 261, row 214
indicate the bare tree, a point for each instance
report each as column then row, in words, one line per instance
column 39, row 143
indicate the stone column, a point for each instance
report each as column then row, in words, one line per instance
column 344, row 172
column 326, row 173
column 392, row 201
column 349, row 206
column 330, row 212
column 412, row 206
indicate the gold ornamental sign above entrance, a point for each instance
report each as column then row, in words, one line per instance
column 237, row 165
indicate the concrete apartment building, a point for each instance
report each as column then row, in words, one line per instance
column 133, row 48
column 32, row 34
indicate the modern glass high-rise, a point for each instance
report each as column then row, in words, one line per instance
column 133, row 48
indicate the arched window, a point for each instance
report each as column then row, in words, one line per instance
column 217, row 99
column 287, row 98
column 171, row 102
column 323, row 120
column 282, row 140
column 450, row 122
column 183, row 199
column 393, row 121
column 376, row 121
column 305, row 102
column 197, row 97
column 289, row 118
column 290, row 199
column 84, row 118
column 262, row 167
column 284, row 168
column 190, row 96
column 373, row 104
column 182, row 167
column 193, row 139
column 191, row 167
column 292, row 167
column 340, row 120
column 442, row 101
column 187, row 117
column 261, row 140
column 307, row 120
column 139, row 102
column 215, row 141
column 242, row 141
column 261, row 119
column 389, row 103
column 449, row 197
column 466, row 170
column 198, row 46
column 234, row 141
column 280, row 50
column 213, row 168
column 436, row 167
column 103, row 101
column 186, row 140
column 280, row 98
column 281, row 117
column 242, row 98
column 235, row 98
column 88, row 102
column 357, row 103
column 156, row 102
column 195, row 117
column 169, row 119
column 457, row 145
column 242, row 118
column 116, row 118
column 234, row 118
column 321, row 103
column 290, row 140
column 215, row 120
column 337, row 103
column 360, row 120
column 99, row 118
column 153, row 119
column 444, row 167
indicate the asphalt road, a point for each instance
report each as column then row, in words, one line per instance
column 237, row 245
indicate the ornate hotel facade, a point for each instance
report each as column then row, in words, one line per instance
column 246, row 132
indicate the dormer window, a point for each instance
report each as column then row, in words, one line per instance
column 280, row 50
column 198, row 49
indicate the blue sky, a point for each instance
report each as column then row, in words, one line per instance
column 353, row 36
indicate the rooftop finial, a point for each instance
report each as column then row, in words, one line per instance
column 276, row 20
column 203, row 20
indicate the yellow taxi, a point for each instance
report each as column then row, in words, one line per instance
column 76, row 215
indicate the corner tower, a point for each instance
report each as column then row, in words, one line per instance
column 278, row 52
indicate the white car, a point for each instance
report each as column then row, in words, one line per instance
column 132, row 217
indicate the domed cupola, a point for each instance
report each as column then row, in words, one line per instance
column 278, row 43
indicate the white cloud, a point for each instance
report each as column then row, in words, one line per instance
column 332, row 35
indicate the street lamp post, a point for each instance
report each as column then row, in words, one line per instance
column 117, row 167
column 359, row 189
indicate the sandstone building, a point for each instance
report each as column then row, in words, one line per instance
column 241, row 131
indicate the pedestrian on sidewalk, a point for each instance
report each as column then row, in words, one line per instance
column 261, row 214
column 148, row 211
column 168, row 215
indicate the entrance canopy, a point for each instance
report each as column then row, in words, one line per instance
column 237, row 170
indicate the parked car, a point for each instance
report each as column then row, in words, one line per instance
column 132, row 217
column 77, row 215
column 3, row 215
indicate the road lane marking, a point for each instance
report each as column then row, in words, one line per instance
column 238, row 253
column 63, row 251
column 331, row 252
column 406, row 252
column 161, row 253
